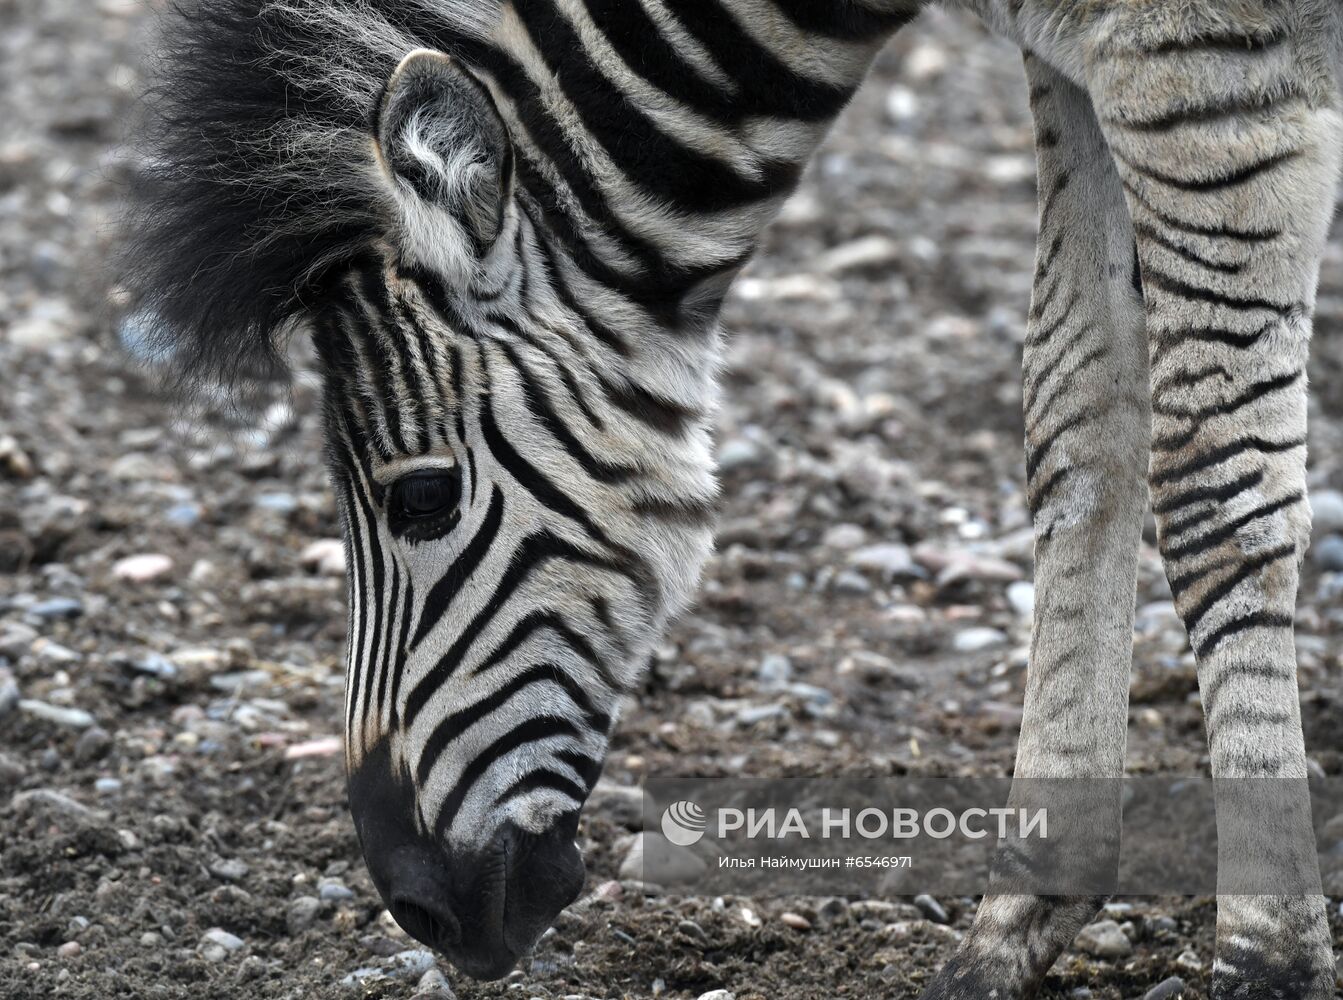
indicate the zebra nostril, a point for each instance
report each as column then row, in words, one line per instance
column 437, row 928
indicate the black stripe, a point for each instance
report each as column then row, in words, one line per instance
column 1225, row 453
column 1233, row 106
column 543, row 778
column 403, row 649
column 1194, row 229
column 1239, row 175
column 541, row 407
column 1156, row 236
column 1036, row 454
column 532, row 731
column 1252, row 393
column 845, row 20
column 1153, row 278
column 1203, row 543
column 657, row 412
column 1209, row 494
column 1244, row 571
column 764, row 84
column 652, row 160
column 449, row 585
column 1259, row 619
column 535, row 551
column 531, row 478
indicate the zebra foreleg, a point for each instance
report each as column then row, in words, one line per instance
column 1087, row 429
column 1225, row 125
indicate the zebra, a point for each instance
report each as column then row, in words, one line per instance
column 507, row 227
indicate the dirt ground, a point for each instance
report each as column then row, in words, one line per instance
column 172, row 813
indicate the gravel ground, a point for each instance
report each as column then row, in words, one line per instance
column 172, row 813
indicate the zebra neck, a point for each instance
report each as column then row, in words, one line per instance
column 657, row 139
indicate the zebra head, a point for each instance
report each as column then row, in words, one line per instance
column 526, row 497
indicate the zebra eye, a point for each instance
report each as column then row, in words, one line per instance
column 426, row 494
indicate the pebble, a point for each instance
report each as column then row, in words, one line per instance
column 142, row 568
column 973, row 640
column 1167, row 989
column 717, row 995
column 737, row 453
column 93, row 744
column 433, row 986
column 56, row 607
column 865, row 253
column 754, row 714
column 279, row 503
column 412, row 963
column 218, row 936
column 154, row 664
column 76, row 718
column 1189, row 961
column 9, row 694
column 833, row 911
column 931, row 908
column 11, row 770
column 1326, row 512
column 774, row 668
column 1021, row 595
column 653, row 858
column 301, row 914
column 1104, row 939
column 795, row 920
column 326, row 556
column 151, row 939
column 70, row 949
column 890, row 560
column 229, row 869
column 1328, row 553
column 107, row 786
column 849, row 582
column 16, row 638
column 53, row 652
column 334, row 892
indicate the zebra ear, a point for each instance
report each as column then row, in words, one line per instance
column 447, row 155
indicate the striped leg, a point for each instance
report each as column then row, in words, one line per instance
column 1226, row 131
column 1087, row 428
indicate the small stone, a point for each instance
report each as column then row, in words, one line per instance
column 1167, row 989
column 323, row 746
column 14, row 461
column 717, row 995
column 737, row 453
column 325, row 556
column 222, row 938
column 302, row 914
column 775, row 668
column 10, row 695
column 749, row 917
column 142, row 568
column 753, row 715
column 849, row 582
column 151, row 939
column 653, row 858
column 56, row 607
column 889, row 560
column 931, row 908
column 279, row 503
column 93, row 744
column 54, row 652
column 1328, row 553
column 844, row 536
column 1021, row 595
column 795, row 920
column 1189, row 961
column 75, row 718
column 11, row 770
column 833, row 911
column 1104, row 939
column 70, row 949
column 358, row 976
column 1326, row 512
column 866, row 253
column 331, row 891
column 973, row 640
column 16, row 638
column 107, row 786
column 433, row 986
column 228, row 869
column 412, row 963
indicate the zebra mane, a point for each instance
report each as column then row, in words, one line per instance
column 258, row 175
